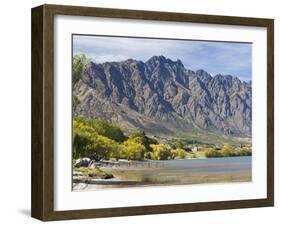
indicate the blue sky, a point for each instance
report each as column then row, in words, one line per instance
column 214, row 57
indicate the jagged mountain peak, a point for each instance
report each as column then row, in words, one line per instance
column 159, row 58
column 162, row 60
column 203, row 75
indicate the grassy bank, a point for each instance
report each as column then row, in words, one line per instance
column 92, row 172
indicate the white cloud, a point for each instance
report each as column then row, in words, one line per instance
column 222, row 57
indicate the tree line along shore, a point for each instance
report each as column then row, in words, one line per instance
column 102, row 140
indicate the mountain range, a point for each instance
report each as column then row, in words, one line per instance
column 161, row 96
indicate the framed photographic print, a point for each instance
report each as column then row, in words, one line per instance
column 141, row 112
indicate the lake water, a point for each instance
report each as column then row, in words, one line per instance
column 172, row 172
column 215, row 165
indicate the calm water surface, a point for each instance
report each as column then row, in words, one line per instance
column 218, row 165
column 171, row 172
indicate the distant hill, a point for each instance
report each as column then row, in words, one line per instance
column 160, row 96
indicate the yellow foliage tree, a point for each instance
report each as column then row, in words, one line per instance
column 161, row 151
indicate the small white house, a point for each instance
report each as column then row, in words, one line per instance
column 194, row 149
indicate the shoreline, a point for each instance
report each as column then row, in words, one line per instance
column 125, row 162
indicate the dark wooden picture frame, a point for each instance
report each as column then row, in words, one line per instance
column 42, row 203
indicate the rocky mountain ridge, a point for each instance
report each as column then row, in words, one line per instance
column 161, row 96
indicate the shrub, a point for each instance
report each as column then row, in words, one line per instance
column 94, row 172
column 226, row 153
column 148, row 155
column 211, row 153
column 245, row 152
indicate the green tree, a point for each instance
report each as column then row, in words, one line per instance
column 161, row 151
column 177, row 144
column 180, row 153
column 245, row 151
column 88, row 143
column 132, row 150
column 227, row 153
column 141, row 138
column 104, row 128
column 228, row 150
column 80, row 64
column 81, row 144
column 212, row 153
